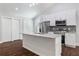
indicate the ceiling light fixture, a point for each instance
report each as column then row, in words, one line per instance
column 16, row 9
column 33, row 4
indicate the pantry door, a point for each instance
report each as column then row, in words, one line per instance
column 6, row 29
column 15, row 30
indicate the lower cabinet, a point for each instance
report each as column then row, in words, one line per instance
column 70, row 40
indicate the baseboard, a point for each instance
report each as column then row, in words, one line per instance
column 72, row 46
column 9, row 41
column 5, row 41
column 1, row 42
column 77, row 44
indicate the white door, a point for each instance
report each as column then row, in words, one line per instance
column 5, row 29
column 70, row 39
column 15, row 29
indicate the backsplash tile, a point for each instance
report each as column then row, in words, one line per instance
column 68, row 28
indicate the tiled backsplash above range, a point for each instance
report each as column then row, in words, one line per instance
column 68, row 28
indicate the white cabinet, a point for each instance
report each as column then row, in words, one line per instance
column 70, row 39
column 52, row 22
column 44, row 18
column 71, row 18
column 41, row 45
column 68, row 15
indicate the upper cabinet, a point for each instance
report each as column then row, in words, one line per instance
column 69, row 16
column 45, row 18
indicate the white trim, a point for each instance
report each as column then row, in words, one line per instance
column 72, row 46
column 1, row 42
column 77, row 44
column 6, row 41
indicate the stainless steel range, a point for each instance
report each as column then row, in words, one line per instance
column 60, row 28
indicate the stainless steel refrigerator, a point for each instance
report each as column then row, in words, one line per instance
column 44, row 27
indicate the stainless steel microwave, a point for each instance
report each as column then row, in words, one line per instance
column 60, row 22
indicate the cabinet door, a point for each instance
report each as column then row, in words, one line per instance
column 70, row 39
column 52, row 23
column 5, row 29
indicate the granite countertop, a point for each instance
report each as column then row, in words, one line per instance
column 48, row 35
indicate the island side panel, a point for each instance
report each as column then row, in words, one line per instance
column 42, row 46
column 58, row 47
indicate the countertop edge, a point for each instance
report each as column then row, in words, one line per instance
column 53, row 36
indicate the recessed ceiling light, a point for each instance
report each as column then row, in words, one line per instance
column 16, row 9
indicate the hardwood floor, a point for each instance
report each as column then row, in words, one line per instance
column 67, row 51
column 15, row 49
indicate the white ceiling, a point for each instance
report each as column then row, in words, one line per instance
column 9, row 9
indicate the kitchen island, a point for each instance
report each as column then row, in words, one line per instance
column 43, row 44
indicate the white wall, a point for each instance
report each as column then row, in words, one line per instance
column 36, row 25
column 15, row 30
column 27, row 25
